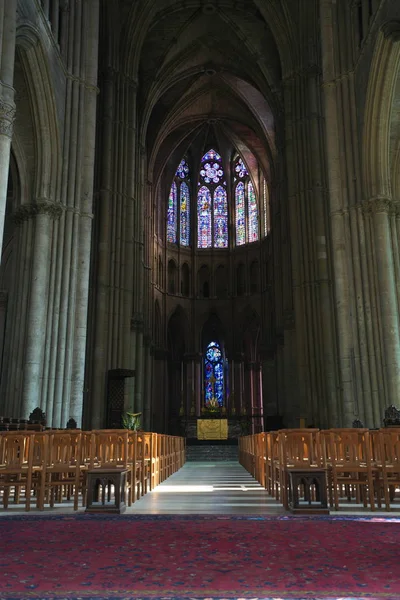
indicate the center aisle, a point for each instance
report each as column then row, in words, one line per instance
column 209, row 488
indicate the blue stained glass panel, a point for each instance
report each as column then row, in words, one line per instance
column 211, row 155
column 211, row 172
column 213, row 353
column 172, row 214
column 220, row 218
column 253, row 213
column 240, row 214
column 214, row 376
column 182, row 170
column 204, row 217
column 240, row 169
column 184, row 214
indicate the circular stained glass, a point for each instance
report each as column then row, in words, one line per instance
column 241, row 169
column 211, row 172
column 183, row 170
column 213, row 354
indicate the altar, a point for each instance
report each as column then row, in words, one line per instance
column 212, row 429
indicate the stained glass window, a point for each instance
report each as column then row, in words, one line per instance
column 265, row 207
column 240, row 214
column 253, row 213
column 211, row 155
column 182, row 170
column 184, row 214
column 246, row 216
column 178, row 219
column 214, row 376
column 212, row 226
column 220, row 218
column 204, row 217
column 240, row 169
column 211, row 172
column 172, row 214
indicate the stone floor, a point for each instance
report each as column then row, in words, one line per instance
column 221, row 487
column 209, row 488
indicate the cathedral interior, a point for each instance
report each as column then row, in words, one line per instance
column 200, row 211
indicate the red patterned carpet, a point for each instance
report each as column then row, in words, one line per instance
column 91, row 556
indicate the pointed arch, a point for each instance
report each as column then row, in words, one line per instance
column 220, row 211
column 184, row 217
column 172, row 221
column 240, row 211
column 252, row 211
column 378, row 110
column 204, row 231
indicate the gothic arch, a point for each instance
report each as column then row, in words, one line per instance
column 378, row 112
column 44, row 118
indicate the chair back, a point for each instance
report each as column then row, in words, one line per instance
column 109, row 448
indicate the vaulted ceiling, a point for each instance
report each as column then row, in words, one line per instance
column 198, row 62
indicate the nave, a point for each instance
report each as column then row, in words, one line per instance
column 221, row 487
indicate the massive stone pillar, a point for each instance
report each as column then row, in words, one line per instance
column 7, row 106
column 42, row 214
column 85, row 208
column 381, row 213
column 313, row 305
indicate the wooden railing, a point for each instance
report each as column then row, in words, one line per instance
column 51, row 466
column 361, row 465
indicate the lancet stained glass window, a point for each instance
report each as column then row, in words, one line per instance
column 212, row 203
column 246, row 207
column 214, row 376
column 220, row 218
column 204, row 217
column 240, row 214
column 253, row 213
column 179, row 220
column 184, row 214
column 172, row 214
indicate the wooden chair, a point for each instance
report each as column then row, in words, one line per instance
column 22, row 459
column 64, row 466
column 110, row 450
column 348, row 456
column 389, row 462
column 272, row 463
column 298, row 449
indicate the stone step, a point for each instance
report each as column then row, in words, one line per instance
column 211, row 452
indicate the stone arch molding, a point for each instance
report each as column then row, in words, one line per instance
column 47, row 136
column 378, row 112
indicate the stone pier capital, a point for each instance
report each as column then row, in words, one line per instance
column 7, row 117
column 379, row 204
column 41, row 206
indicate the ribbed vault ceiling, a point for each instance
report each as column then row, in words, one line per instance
column 200, row 62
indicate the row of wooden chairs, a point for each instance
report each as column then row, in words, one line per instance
column 360, row 464
column 51, row 466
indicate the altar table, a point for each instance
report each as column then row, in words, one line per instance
column 212, row 429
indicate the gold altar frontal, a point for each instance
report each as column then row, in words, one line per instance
column 212, row 429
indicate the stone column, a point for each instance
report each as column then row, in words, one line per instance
column 380, row 208
column 42, row 214
column 199, row 385
column 7, row 106
column 148, row 372
column 260, row 394
column 85, row 203
column 250, row 399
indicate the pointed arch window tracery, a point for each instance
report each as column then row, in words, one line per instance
column 212, row 203
column 178, row 214
column 246, row 207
